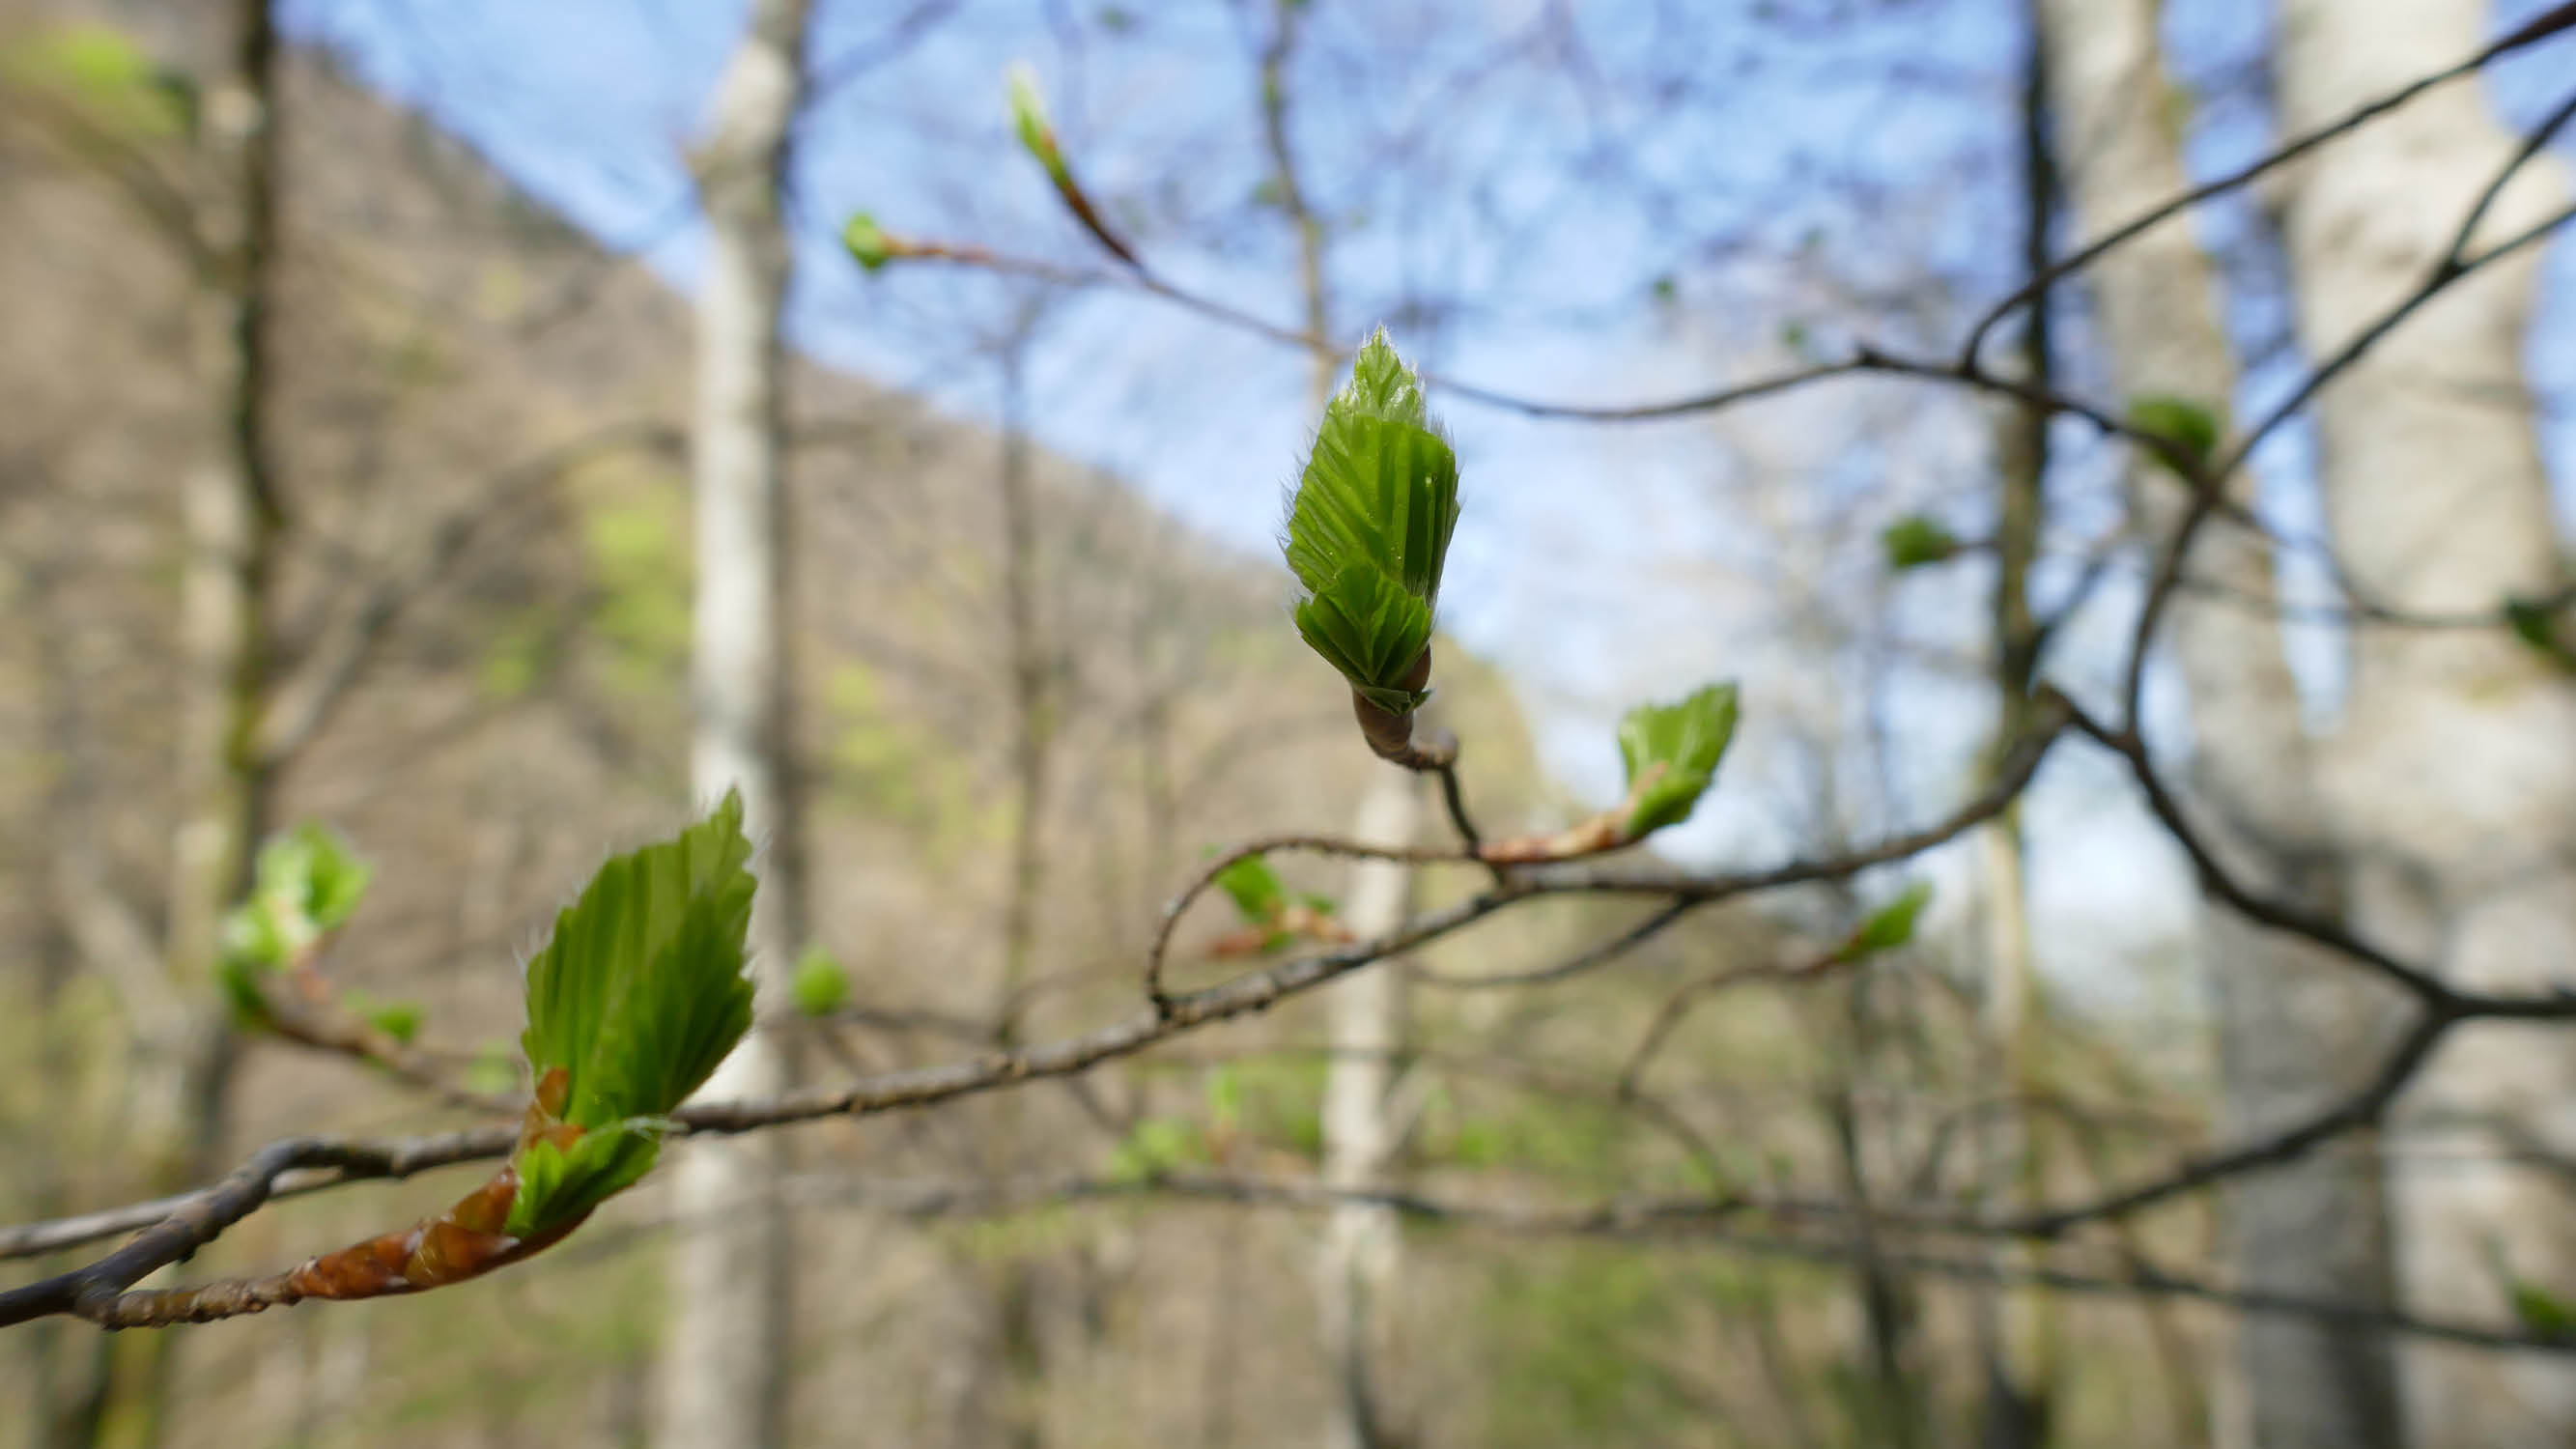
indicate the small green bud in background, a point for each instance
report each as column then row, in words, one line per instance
column 400, row 1020
column 1671, row 752
column 2191, row 427
column 1915, row 541
column 1888, row 927
column 1029, row 119
column 1155, row 1148
column 820, row 986
column 1368, row 531
column 867, row 243
column 1255, row 890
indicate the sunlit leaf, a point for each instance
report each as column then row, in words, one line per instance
column 1671, row 752
column 1254, row 888
column 1369, row 528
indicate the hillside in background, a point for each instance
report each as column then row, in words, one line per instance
column 485, row 478
column 482, row 610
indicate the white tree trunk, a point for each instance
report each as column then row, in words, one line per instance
column 2455, row 774
column 1358, row 1264
column 725, row 1378
column 2293, row 1026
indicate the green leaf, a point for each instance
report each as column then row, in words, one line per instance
column 1225, row 1099
column 2192, row 427
column 400, row 1020
column 866, row 242
column 1369, row 628
column 820, row 985
column 1671, row 752
column 494, row 1070
column 1369, row 528
column 1029, row 119
column 559, row 1184
column 1915, row 540
column 1155, row 1147
column 2541, row 1313
column 1890, row 926
column 640, row 992
column 638, row 995
column 99, row 69
column 1254, row 888
column 306, row 883
column 335, row 878
column 2534, row 624
column 237, row 976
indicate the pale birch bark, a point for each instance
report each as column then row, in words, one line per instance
column 1357, row 1271
column 725, row 1374
column 2293, row 1027
column 2454, row 776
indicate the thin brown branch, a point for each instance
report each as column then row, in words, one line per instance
column 2541, row 27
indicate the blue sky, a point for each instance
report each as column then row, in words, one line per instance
column 1530, row 172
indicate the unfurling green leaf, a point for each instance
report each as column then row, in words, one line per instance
column 1671, row 751
column 866, row 242
column 636, row 997
column 558, row 1184
column 1254, row 888
column 1369, row 527
column 820, row 985
column 2190, row 426
column 1916, row 540
column 1890, row 926
column 1029, row 119
column 1369, row 628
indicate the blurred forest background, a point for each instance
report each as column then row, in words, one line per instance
column 394, row 434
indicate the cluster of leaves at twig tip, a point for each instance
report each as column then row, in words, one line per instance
column 1273, row 917
column 306, row 884
column 1671, row 752
column 1368, row 530
column 632, row 1003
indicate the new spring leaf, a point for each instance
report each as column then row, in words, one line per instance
column 636, row 997
column 1369, row 527
column 1671, row 751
